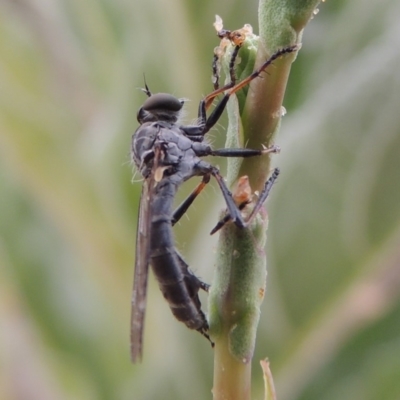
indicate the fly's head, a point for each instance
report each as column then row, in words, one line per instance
column 160, row 107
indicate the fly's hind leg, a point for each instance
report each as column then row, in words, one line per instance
column 261, row 200
column 205, row 286
column 234, row 211
column 204, row 332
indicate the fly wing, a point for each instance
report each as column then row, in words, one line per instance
column 141, row 272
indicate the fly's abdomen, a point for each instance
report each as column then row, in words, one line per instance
column 180, row 292
column 178, row 285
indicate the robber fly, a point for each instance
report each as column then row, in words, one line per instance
column 167, row 154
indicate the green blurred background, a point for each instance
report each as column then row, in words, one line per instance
column 69, row 78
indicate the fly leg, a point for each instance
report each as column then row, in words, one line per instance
column 234, row 211
column 197, row 132
column 232, row 88
column 205, row 150
column 261, row 200
column 243, row 153
column 223, row 221
column 216, row 69
column 193, row 283
column 207, row 101
column 204, row 168
column 183, row 207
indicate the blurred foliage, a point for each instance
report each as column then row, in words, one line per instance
column 69, row 73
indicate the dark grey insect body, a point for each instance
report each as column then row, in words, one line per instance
column 166, row 157
column 167, row 154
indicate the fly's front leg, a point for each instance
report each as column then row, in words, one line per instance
column 205, row 104
column 216, row 68
column 233, row 87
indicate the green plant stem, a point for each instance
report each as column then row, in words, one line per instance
column 238, row 287
column 281, row 24
column 262, row 116
column 232, row 377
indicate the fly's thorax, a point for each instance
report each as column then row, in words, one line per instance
column 143, row 143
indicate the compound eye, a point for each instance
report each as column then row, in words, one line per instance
column 163, row 101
